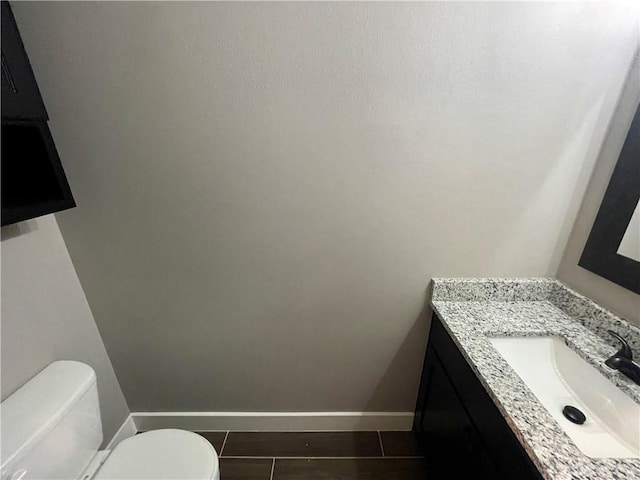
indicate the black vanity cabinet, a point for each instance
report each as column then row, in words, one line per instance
column 463, row 433
column 33, row 180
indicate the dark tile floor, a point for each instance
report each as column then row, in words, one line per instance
column 318, row 455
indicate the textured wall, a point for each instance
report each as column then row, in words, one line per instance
column 45, row 316
column 610, row 295
column 265, row 190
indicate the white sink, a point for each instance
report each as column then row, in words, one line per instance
column 558, row 376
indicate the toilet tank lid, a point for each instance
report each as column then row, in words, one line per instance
column 40, row 404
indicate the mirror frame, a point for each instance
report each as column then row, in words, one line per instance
column 600, row 254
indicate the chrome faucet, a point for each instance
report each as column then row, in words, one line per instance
column 622, row 360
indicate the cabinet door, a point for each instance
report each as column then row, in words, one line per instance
column 20, row 95
column 496, row 436
column 450, row 437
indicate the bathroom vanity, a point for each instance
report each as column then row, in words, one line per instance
column 479, row 419
column 464, row 430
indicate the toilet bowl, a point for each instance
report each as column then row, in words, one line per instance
column 160, row 455
column 51, row 429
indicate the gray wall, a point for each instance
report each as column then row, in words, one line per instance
column 265, row 190
column 46, row 317
column 619, row 300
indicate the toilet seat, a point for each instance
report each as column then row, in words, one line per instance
column 161, row 455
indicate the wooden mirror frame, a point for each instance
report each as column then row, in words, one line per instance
column 600, row 254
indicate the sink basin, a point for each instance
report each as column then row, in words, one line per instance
column 558, row 376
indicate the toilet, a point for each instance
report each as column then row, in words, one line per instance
column 51, row 429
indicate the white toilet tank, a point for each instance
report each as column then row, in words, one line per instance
column 50, row 428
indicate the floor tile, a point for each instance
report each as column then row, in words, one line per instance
column 401, row 444
column 245, row 468
column 303, row 444
column 351, row 469
column 215, row 438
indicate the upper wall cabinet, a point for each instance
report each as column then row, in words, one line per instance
column 33, row 180
column 20, row 95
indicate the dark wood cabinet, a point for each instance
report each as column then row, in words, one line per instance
column 447, row 429
column 463, row 432
column 20, row 94
column 33, row 180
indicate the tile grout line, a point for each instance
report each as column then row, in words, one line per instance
column 381, row 447
column 305, row 457
column 224, row 442
column 273, row 467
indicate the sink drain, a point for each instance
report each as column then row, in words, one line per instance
column 573, row 414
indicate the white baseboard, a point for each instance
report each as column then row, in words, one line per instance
column 126, row 430
column 274, row 421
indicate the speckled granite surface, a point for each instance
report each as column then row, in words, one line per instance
column 475, row 309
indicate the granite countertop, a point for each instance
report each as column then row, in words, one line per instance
column 475, row 309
